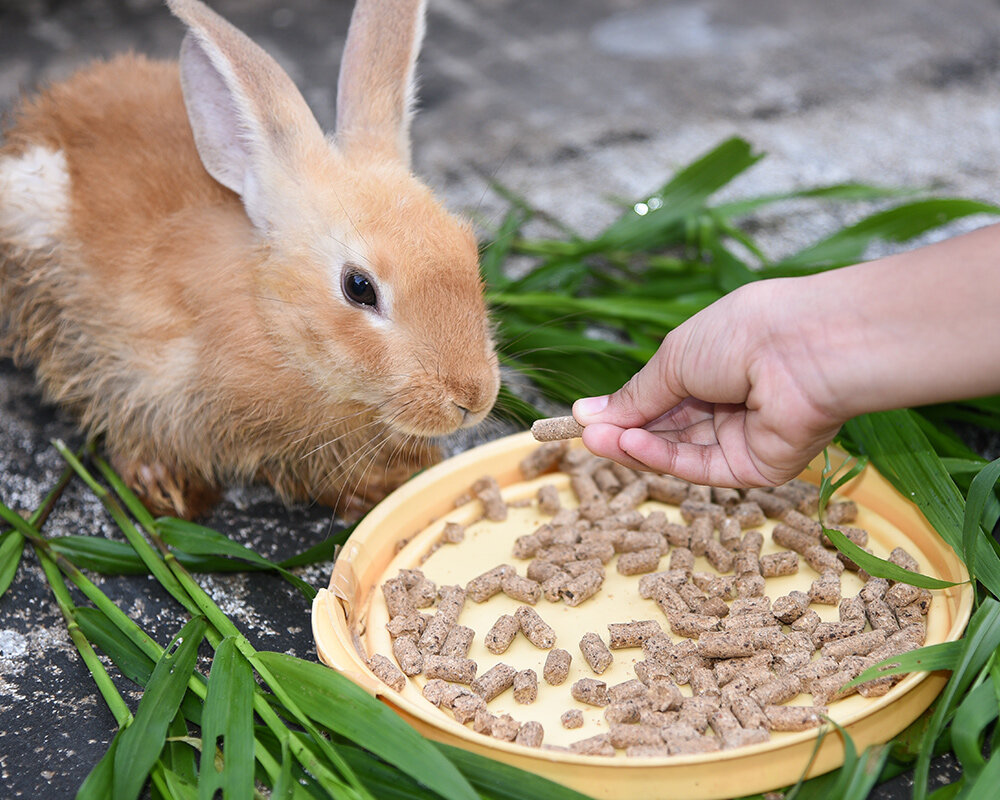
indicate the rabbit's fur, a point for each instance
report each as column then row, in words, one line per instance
column 171, row 265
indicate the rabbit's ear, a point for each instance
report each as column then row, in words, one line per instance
column 376, row 86
column 250, row 123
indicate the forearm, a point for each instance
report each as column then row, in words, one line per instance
column 914, row 328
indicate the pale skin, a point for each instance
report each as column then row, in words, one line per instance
column 749, row 390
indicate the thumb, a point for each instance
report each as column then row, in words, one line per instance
column 649, row 394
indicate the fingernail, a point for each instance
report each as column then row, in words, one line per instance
column 590, row 406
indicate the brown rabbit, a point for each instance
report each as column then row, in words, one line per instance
column 224, row 294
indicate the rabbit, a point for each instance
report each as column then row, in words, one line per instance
column 224, row 294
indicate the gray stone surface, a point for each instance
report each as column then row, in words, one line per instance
column 567, row 103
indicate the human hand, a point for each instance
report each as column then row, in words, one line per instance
column 733, row 397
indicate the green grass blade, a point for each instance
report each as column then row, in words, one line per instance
column 142, row 741
column 881, row 568
column 228, row 716
column 178, row 754
column 493, row 255
column 897, row 224
column 838, row 191
column 980, row 491
column 944, row 655
column 321, row 551
column 497, row 781
column 198, row 540
column 333, row 701
column 11, row 548
column 98, row 784
column 901, row 453
column 976, row 711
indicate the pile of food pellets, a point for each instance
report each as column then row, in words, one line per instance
column 718, row 665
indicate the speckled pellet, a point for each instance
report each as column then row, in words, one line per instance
column 496, row 680
column 521, row 588
column 448, row 609
column 702, row 529
column 572, row 719
column 826, row 589
column 730, row 534
column 590, row 691
column 423, row 594
column 726, row 644
column 387, row 672
column 859, row 644
column 666, row 488
column 499, row 637
column 458, row 641
column 841, row 512
column 456, row 670
column 404, row 624
column 505, row 728
column 792, row 538
column 555, row 429
column 901, row 558
column 582, row 588
column 748, row 712
column 488, row 491
column 453, row 533
column 408, row 655
column 784, row 563
column 794, row 718
column 726, row 670
column 441, row 693
column 629, row 497
column 530, row 734
column 556, row 668
column 622, row 735
column 548, row 499
column 719, row 556
column 771, row 504
column 801, row 522
column 599, row 745
column 681, row 558
column 691, row 509
column 397, row 598
column 822, row 560
column 535, row 629
column 595, row 652
column 466, row 707
column 790, row 607
column 631, row 634
column 525, row 686
column 807, row 622
column 639, row 562
column 777, row 690
column 542, row 459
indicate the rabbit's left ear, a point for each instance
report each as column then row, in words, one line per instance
column 376, row 86
column 250, row 123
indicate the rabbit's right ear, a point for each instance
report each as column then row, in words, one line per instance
column 250, row 123
column 376, row 85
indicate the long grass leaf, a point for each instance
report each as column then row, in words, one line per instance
column 11, row 548
column 142, row 741
column 933, row 657
column 198, row 540
column 228, row 716
column 333, row 701
column 976, row 711
column 979, row 492
column 98, row 783
column 498, row 781
column 881, row 568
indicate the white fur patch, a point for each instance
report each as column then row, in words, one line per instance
column 34, row 198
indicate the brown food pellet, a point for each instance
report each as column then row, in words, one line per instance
column 822, row 560
column 807, row 622
column 599, row 745
column 748, row 514
column 442, row 693
column 500, row 636
column 505, row 728
column 595, row 652
column 725, row 496
column 548, row 499
column 542, row 459
column 408, row 655
column 790, row 607
column 792, row 538
column 826, row 589
column 901, row 558
column 852, row 608
column 404, row 624
column 448, row 609
column 494, row 682
column 520, row 588
column 631, row 634
column 777, row 690
column 625, row 711
column 553, row 585
column 572, row 718
column 801, row 522
column 525, row 686
column 639, row 562
column 467, row 707
column 458, row 641
column 622, row 735
column 651, row 584
column 530, row 734
column 535, row 629
column 634, row 541
column 857, row 535
column 701, row 533
column 771, row 504
column 666, row 488
column 555, row 429
column 793, row 718
column 719, row 556
column 556, row 668
column 453, row 533
column 387, row 672
column 582, row 588
column 691, row 625
column 488, row 491
column 590, row 691
column 628, row 690
column 730, row 533
column 691, row 509
column 859, row 644
column 456, row 670
column 783, row 563
column 746, row 710
column 647, row 751
column 483, row 722
column 841, row 512
column 681, row 558
column 629, row 497
column 729, row 669
column 702, row 681
column 576, row 568
column 725, row 644
column 541, row 570
column 423, row 594
column 751, row 543
column 397, row 598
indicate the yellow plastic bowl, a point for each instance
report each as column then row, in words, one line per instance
column 339, row 619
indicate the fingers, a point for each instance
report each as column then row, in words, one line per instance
column 649, row 394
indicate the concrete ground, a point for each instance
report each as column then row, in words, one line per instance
column 568, row 104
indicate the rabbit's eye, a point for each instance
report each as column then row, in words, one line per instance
column 358, row 288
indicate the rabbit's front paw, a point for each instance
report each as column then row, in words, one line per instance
column 165, row 490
